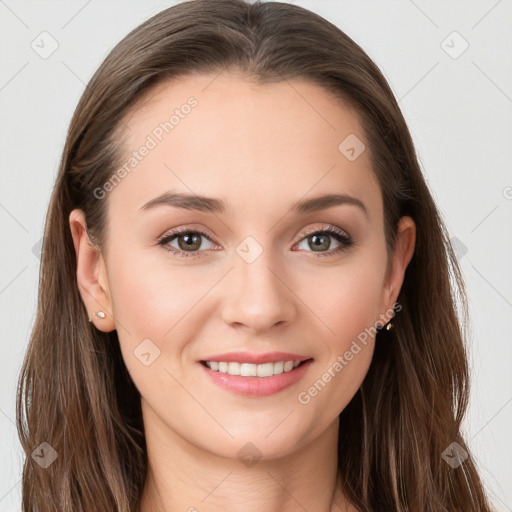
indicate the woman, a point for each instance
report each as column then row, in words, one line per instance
column 245, row 298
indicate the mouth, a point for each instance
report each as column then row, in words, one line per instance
column 253, row 370
column 255, row 380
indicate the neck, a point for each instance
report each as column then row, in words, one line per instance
column 185, row 477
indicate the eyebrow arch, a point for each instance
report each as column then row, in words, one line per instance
column 209, row 204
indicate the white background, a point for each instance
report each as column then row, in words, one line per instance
column 459, row 111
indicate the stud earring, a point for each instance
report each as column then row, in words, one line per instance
column 99, row 314
column 388, row 327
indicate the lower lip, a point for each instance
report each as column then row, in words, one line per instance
column 257, row 386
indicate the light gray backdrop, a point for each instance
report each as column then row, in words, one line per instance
column 448, row 62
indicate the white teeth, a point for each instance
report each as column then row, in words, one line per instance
column 248, row 370
column 234, row 368
column 278, row 367
column 265, row 370
column 253, row 370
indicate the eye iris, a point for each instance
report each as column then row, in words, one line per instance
column 192, row 241
column 315, row 242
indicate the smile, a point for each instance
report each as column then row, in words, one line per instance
column 255, row 380
column 252, row 370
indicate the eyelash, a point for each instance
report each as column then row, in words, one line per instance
column 340, row 236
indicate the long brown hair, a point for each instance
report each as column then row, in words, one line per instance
column 74, row 390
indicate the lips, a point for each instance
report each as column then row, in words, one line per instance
column 255, row 375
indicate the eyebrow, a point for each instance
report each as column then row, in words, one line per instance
column 212, row 205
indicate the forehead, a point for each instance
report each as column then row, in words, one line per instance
column 253, row 145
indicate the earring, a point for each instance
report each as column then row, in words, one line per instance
column 99, row 314
column 388, row 327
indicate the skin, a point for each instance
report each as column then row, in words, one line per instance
column 260, row 149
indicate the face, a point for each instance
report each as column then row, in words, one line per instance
column 250, row 277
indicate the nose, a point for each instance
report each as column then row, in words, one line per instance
column 259, row 296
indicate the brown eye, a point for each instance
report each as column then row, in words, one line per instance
column 189, row 242
column 319, row 241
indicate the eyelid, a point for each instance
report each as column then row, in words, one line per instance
column 189, row 228
column 328, row 228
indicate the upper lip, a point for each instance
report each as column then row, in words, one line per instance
column 251, row 357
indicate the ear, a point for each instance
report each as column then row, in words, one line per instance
column 91, row 274
column 402, row 254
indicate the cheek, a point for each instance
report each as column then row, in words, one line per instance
column 151, row 300
column 348, row 306
column 165, row 302
column 154, row 306
column 151, row 295
column 347, row 300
